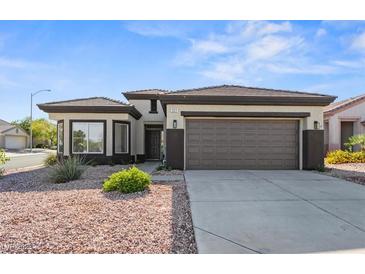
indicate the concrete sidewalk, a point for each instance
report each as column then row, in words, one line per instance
column 276, row 212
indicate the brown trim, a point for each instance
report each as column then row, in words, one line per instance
column 244, row 114
column 140, row 96
column 63, row 136
column 104, row 135
column 313, row 149
column 131, row 110
column 246, row 100
column 175, row 148
column 129, row 136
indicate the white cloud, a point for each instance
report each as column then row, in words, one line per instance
column 349, row 63
column 271, row 46
column 358, row 42
column 208, row 47
column 247, row 51
column 158, row 29
column 19, row 63
column 321, row 32
column 229, row 70
column 301, row 68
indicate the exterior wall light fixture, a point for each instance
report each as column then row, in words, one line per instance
column 316, row 125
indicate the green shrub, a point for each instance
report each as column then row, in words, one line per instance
column 127, row 181
column 51, row 160
column 3, row 160
column 68, row 170
column 344, row 156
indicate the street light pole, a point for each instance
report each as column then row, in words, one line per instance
column 31, row 115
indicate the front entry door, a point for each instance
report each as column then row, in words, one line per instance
column 347, row 130
column 153, row 143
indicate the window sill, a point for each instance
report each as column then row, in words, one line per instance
column 153, row 112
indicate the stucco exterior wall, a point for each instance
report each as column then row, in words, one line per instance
column 355, row 114
column 174, row 112
column 109, row 117
column 144, row 107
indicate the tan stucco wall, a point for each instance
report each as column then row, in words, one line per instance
column 13, row 132
column 143, row 106
column 109, row 117
column 355, row 114
column 173, row 112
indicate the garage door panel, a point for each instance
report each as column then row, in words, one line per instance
column 242, row 144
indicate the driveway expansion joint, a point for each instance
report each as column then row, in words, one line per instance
column 228, row 240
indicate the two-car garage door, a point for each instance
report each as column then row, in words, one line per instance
column 242, row 144
column 15, row 142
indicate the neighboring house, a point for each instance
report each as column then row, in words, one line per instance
column 342, row 120
column 12, row 137
column 221, row 127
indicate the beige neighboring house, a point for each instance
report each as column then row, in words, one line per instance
column 12, row 137
column 343, row 119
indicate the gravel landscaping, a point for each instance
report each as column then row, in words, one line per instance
column 168, row 172
column 350, row 172
column 37, row 216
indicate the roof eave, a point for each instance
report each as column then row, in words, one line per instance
column 91, row 109
column 141, row 96
column 247, row 100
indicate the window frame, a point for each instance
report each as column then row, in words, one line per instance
column 103, row 122
column 153, row 102
column 63, row 137
column 128, row 136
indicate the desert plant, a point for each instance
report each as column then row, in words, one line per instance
column 344, row 156
column 356, row 140
column 51, row 160
column 127, row 181
column 68, row 170
column 3, row 160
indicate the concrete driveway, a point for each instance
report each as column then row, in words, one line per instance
column 25, row 160
column 276, row 212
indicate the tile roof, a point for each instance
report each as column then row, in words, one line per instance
column 91, row 101
column 90, row 105
column 148, row 91
column 6, row 127
column 235, row 90
column 344, row 103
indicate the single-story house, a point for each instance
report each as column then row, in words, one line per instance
column 342, row 120
column 220, row 127
column 12, row 137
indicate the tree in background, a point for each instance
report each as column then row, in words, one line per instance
column 44, row 132
column 24, row 124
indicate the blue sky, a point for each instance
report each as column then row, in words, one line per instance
column 103, row 58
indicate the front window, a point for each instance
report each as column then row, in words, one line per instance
column 87, row 137
column 121, row 138
column 60, row 137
